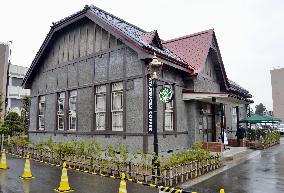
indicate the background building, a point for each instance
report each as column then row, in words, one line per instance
column 11, row 81
column 4, row 61
column 277, row 83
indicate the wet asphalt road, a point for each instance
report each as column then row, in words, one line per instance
column 47, row 178
column 261, row 174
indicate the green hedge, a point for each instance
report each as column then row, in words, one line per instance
column 118, row 153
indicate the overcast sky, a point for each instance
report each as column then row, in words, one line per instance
column 250, row 33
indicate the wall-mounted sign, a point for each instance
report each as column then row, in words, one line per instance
column 166, row 94
column 150, row 105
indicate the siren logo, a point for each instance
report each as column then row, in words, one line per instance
column 150, row 105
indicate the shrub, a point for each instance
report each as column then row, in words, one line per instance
column 19, row 141
column 184, row 157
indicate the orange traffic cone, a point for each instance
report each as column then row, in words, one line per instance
column 64, row 184
column 122, row 186
column 27, row 174
column 3, row 164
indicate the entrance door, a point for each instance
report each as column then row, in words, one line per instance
column 207, row 128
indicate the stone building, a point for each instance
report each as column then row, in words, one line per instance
column 277, row 79
column 89, row 80
column 11, row 82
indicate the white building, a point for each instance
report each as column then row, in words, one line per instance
column 15, row 92
column 11, row 81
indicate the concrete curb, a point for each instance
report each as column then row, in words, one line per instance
column 228, row 165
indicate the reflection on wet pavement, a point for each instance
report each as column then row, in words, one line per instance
column 261, row 174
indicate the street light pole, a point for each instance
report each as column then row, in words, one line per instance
column 155, row 69
column 155, row 129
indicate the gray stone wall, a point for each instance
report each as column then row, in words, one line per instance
column 206, row 80
column 50, row 112
column 67, row 68
column 33, row 114
column 180, row 141
column 85, row 111
column 134, row 142
column 203, row 83
column 134, row 107
column 193, row 121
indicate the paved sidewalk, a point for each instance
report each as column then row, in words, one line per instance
column 231, row 158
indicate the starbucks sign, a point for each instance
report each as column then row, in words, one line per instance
column 166, row 94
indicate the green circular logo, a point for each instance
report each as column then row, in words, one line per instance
column 166, row 94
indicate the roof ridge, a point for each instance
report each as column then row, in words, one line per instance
column 187, row 36
column 68, row 17
column 95, row 7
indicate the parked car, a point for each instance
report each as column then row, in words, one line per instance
column 280, row 128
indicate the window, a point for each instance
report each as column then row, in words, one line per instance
column 169, row 115
column 41, row 109
column 234, row 117
column 117, row 106
column 60, row 110
column 73, row 110
column 100, row 107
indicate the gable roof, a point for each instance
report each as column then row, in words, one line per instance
column 148, row 42
column 193, row 48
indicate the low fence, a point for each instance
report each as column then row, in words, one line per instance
column 142, row 172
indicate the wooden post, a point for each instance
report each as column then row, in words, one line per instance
column 171, row 176
column 156, row 175
column 176, row 175
column 165, row 177
column 182, row 173
column 196, row 168
column 191, row 170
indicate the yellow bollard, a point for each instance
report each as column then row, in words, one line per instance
column 222, row 190
column 122, row 185
column 3, row 164
column 27, row 174
column 64, row 184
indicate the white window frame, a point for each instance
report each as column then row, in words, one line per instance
column 98, row 113
column 169, row 109
column 116, row 111
column 61, row 114
column 41, row 117
column 72, row 113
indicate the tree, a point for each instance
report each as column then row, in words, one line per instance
column 12, row 124
column 25, row 114
column 260, row 109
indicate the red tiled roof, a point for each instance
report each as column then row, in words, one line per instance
column 193, row 49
